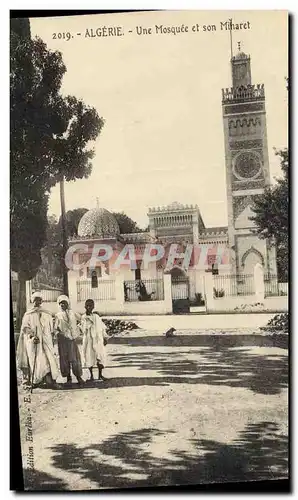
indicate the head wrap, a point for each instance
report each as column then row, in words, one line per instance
column 62, row 298
column 36, row 295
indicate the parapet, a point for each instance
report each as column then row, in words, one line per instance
column 244, row 93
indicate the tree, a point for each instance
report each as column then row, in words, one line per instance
column 126, row 224
column 21, row 27
column 50, row 271
column 73, row 218
column 49, row 137
column 51, row 268
column 271, row 215
column 68, row 223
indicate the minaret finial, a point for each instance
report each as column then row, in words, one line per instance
column 231, row 40
column 97, row 202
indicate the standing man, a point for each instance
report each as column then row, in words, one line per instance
column 94, row 340
column 35, row 351
column 66, row 322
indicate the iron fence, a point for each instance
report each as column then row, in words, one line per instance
column 143, row 290
column 48, row 295
column 180, row 288
column 105, row 290
column 233, row 285
column 273, row 288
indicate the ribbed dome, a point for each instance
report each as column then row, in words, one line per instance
column 98, row 222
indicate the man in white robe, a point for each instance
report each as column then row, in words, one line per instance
column 94, row 340
column 65, row 325
column 35, row 351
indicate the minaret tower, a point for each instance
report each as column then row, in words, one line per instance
column 247, row 165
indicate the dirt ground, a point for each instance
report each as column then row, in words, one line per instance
column 193, row 409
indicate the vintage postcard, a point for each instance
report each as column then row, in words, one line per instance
column 149, row 247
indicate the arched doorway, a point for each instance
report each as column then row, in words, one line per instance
column 180, row 291
column 249, row 260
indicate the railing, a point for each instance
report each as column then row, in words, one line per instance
column 105, row 290
column 273, row 288
column 247, row 93
column 48, row 295
column 143, row 290
column 174, row 222
column 233, row 285
column 283, row 288
column 180, row 288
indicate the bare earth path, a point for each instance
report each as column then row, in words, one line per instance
column 195, row 408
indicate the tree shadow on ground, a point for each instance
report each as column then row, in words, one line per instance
column 219, row 360
column 35, row 479
column 124, row 460
column 221, row 340
column 220, row 364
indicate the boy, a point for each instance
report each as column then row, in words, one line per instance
column 94, row 340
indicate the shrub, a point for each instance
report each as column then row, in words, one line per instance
column 279, row 322
column 115, row 326
column 257, row 306
column 198, row 301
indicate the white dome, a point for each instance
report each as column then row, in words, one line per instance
column 98, row 222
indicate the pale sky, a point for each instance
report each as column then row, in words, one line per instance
column 160, row 96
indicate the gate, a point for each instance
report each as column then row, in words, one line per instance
column 180, row 294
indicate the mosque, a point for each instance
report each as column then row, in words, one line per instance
column 247, row 175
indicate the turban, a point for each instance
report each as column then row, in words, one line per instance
column 62, row 298
column 36, row 295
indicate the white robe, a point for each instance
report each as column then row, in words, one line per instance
column 37, row 322
column 66, row 323
column 94, row 333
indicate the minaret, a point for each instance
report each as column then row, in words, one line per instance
column 247, row 165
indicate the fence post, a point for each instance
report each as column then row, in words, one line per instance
column 209, row 297
column 259, row 283
column 167, row 283
column 119, row 291
column 199, row 281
